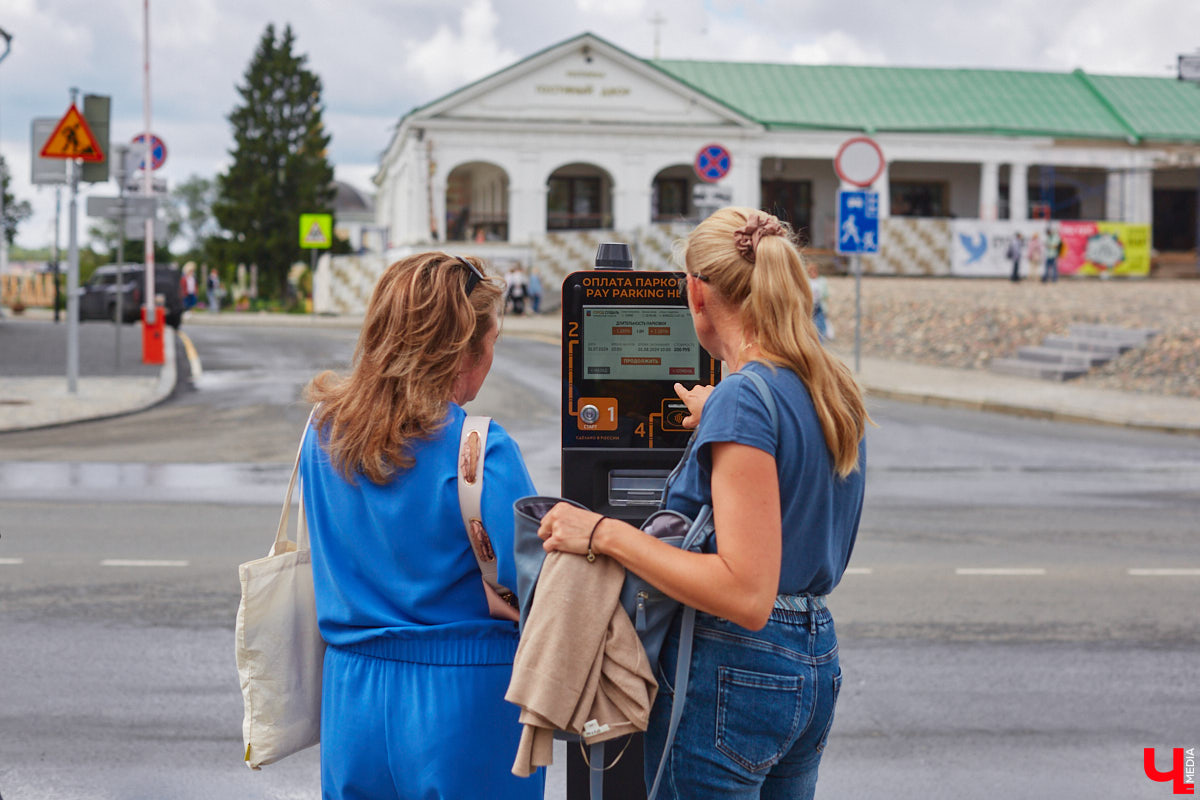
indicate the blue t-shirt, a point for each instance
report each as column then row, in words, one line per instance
column 392, row 565
column 820, row 511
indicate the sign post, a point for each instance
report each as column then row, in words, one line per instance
column 316, row 233
column 859, row 162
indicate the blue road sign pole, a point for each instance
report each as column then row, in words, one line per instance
column 857, row 314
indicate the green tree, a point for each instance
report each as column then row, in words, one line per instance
column 280, row 168
column 192, row 207
column 15, row 212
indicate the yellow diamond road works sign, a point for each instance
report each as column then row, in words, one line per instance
column 73, row 139
column 316, row 231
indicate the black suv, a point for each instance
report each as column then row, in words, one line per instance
column 98, row 297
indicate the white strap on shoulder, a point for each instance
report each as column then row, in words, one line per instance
column 281, row 537
column 472, row 447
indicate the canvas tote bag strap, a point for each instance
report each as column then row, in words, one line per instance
column 301, row 523
column 471, row 449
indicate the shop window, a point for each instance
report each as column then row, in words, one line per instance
column 918, row 199
column 791, row 201
column 1174, row 225
column 574, row 203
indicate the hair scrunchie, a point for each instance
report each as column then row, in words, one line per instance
column 758, row 225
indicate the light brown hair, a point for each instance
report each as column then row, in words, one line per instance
column 421, row 326
column 774, row 301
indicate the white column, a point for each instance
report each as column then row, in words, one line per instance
column 438, row 181
column 883, row 186
column 1141, row 194
column 1018, row 192
column 745, row 180
column 1114, row 195
column 527, row 200
column 989, row 190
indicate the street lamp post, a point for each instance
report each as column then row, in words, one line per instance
column 7, row 37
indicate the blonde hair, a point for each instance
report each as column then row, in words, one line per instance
column 770, row 291
column 420, row 326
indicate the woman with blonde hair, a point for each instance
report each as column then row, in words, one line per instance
column 415, row 666
column 786, row 501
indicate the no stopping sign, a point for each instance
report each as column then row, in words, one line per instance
column 859, row 161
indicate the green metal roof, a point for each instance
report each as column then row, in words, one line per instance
column 973, row 101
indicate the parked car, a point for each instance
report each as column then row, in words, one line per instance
column 98, row 297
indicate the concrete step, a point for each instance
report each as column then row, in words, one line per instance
column 1135, row 336
column 1113, row 347
column 1036, row 369
column 1057, row 355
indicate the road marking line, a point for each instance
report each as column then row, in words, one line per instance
column 858, row 570
column 129, row 562
column 11, row 561
column 1164, row 572
column 1000, row 571
column 192, row 356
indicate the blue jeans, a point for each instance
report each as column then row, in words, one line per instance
column 758, row 712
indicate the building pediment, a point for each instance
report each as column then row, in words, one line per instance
column 585, row 81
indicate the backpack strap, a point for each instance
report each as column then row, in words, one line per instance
column 687, row 623
column 472, row 447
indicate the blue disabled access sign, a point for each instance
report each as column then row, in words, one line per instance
column 858, row 222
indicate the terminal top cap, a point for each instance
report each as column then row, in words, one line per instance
column 613, row 255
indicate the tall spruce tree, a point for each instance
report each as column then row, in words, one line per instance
column 279, row 169
column 15, row 211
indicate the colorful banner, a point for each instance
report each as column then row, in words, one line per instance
column 1104, row 248
column 981, row 249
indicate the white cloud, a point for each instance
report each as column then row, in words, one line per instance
column 450, row 58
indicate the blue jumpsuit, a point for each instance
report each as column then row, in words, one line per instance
column 415, row 669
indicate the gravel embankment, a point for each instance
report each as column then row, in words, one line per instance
column 967, row 322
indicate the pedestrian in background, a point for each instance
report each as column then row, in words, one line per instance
column 820, row 294
column 415, row 667
column 1054, row 246
column 214, row 290
column 189, row 286
column 518, row 289
column 1016, row 248
column 535, row 291
column 1035, row 253
column 786, row 502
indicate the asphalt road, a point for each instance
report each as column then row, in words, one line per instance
column 1007, row 629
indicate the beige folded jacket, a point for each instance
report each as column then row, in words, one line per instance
column 580, row 666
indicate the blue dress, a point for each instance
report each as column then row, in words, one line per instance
column 415, row 669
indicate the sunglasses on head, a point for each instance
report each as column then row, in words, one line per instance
column 474, row 276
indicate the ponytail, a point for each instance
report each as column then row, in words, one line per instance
column 749, row 257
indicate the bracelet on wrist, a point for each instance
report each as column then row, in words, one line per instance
column 591, row 555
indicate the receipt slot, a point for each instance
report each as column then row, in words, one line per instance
column 627, row 339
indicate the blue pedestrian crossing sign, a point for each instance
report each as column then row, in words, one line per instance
column 858, row 222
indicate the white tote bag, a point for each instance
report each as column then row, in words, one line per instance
column 280, row 652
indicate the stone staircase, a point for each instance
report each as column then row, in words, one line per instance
column 1061, row 358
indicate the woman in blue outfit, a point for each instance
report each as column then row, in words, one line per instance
column 415, row 668
column 786, row 504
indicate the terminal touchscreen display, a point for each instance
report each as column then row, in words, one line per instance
column 639, row 343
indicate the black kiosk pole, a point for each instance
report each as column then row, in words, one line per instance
column 627, row 338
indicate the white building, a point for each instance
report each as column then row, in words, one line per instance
column 585, row 142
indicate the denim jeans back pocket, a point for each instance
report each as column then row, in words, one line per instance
column 758, row 716
column 837, row 689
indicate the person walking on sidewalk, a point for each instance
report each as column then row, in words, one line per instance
column 416, row 667
column 786, row 502
column 213, row 288
column 1016, row 249
column 1054, row 248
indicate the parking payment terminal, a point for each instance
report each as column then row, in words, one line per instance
column 627, row 339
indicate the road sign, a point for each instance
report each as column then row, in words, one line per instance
column 133, row 206
column 158, row 150
column 72, row 138
column 713, row 163
column 45, row 171
column 859, row 161
column 97, row 109
column 705, row 195
column 316, row 231
column 858, row 222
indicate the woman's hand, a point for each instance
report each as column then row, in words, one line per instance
column 567, row 528
column 694, row 399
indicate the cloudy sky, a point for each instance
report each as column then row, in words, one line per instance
column 380, row 58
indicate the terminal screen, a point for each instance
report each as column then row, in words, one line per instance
column 640, row 343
